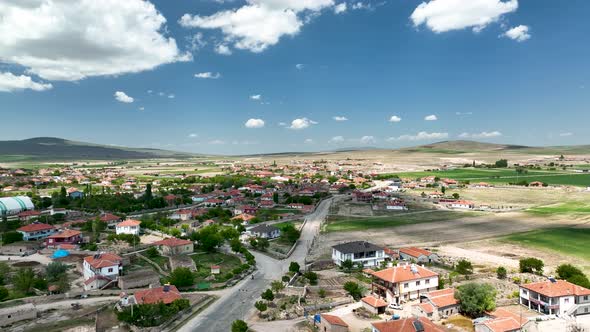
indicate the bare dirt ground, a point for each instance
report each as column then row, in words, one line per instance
column 444, row 232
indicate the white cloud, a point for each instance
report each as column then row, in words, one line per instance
column 336, row 139
column 259, row 23
column 519, row 33
column 208, row 75
column 340, row 8
column 308, row 141
column 566, row 134
column 463, row 113
column 419, row 137
column 10, row 82
column 446, row 15
column 368, row 140
column 431, row 117
column 299, row 66
column 254, row 123
column 301, row 123
column 282, row 124
column 123, row 97
column 141, row 108
column 171, row 96
column 361, row 5
column 395, row 118
column 340, row 118
column 193, row 135
column 223, row 49
column 256, row 97
column 483, row 134
column 216, row 142
column 72, row 40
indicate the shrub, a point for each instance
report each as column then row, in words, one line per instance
column 261, row 306
column 267, row 295
column 322, row 293
column 476, row 298
column 531, row 265
column 464, row 267
column 354, row 290
column 239, row 326
column 501, row 272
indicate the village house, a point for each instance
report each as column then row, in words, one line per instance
column 437, row 304
column 331, row 323
column 460, row 204
column 65, row 237
column 435, row 195
column 28, row 215
column 420, row 324
column 297, row 206
column 35, row 231
column 555, row 297
column 374, row 305
column 165, row 294
column 182, row 215
column 173, row 246
column 265, row 231
column 396, row 205
column 403, row 282
column 128, row 226
column 418, row 255
column 359, row 252
column 111, row 219
column 500, row 320
column 101, row 269
column 360, row 196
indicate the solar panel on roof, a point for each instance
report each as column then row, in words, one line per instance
column 418, row 326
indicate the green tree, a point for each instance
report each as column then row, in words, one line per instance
column 502, row 163
column 268, row 295
column 531, row 265
column 573, row 275
column 456, row 195
column 209, row 238
column 236, row 245
column 354, row 290
column 464, row 267
column 148, row 196
column 347, row 265
column 3, row 293
column 11, row 237
column 289, row 234
column 263, row 244
column 23, row 280
column 239, row 326
column 4, row 272
column 294, row 267
column 476, row 298
column 152, row 252
column 312, row 277
column 182, row 277
column 261, row 306
column 55, row 270
column 501, row 272
column 277, row 286
column 441, row 283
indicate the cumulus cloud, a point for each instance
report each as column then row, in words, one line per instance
column 10, row 83
column 259, row 23
column 72, row 40
column 301, row 123
column 519, row 33
column 340, row 118
column 446, row 15
column 340, row 8
column 566, row 134
column 193, row 135
column 336, row 139
column 256, row 97
column 431, row 117
column 208, row 75
column 282, row 124
column 223, row 49
column 368, row 140
column 308, row 141
column 123, row 97
column 395, row 118
column 171, row 96
column 483, row 134
column 254, row 123
column 420, row 137
column 299, row 66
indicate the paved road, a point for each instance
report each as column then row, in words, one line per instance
column 238, row 302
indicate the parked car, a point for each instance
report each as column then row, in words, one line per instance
column 395, row 306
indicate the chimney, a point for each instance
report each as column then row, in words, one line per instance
column 166, row 287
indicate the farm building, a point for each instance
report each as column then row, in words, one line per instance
column 15, row 205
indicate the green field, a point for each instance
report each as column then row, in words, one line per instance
column 349, row 224
column 203, row 262
column 568, row 241
column 575, row 208
column 506, row 175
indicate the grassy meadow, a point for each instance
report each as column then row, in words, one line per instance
column 567, row 241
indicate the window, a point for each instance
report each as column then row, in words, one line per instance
column 427, row 281
column 566, row 300
column 110, row 269
column 418, row 283
column 406, row 285
column 586, row 299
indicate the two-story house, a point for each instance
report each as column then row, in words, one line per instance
column 403, row 282
column 36, row 231
column 359, row 252
column 128, row 226
column 67, row 236
column 101, row 269
column 556, row 297
column 265, row 231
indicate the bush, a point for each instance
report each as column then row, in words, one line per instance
column 322, row 293
column 531, row 265
column 239, row 326
column 267, row 295
column 182, row 277
column 3, row 293
column 464, row 267
column 476, row 298
column 573, row 275
column 152, row 252
column 261, row 306
column 312, row 277
column 286, row 278
column 501, row 272
column 354, row 290
column 294, row 267
column 147, row 315
column 11, row 237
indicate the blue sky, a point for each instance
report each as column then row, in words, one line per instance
column 490, row 70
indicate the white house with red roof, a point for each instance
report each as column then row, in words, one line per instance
column 174, row 246
column 67, row 237
column 165, row 294
column 403, row 282
column 462, row 204
column 36, row 231
column 101, row 269
column 418, row 255
column 556, row 297
column 128, row 226
column 437, row 304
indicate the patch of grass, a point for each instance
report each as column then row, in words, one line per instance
column 348, row 224
column 567, row 241
column 203, row 261
column 562, row 208
column 461, row 321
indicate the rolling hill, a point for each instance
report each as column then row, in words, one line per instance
column 51, row 148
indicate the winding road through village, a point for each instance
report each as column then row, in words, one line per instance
column 238, row 301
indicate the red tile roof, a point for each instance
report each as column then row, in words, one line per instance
column 403, row 273
column 35, row 228
column 67, row 233
column 374, row 302
column 426, row 307
column 172, row 242
column 415, row 252
column 29, row 213
column 129, row 222
column 334, row 320
column 443, row 298
column 406, row 325
column 155, row 295
column 104, row 260
column 504, row 321
column 109, row 217
column 557, row 289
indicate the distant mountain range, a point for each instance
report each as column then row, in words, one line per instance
column 52, row 148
